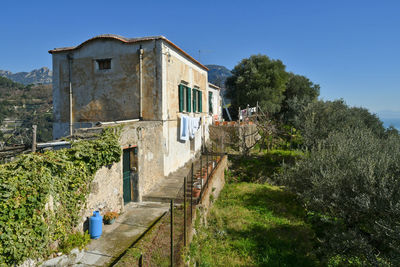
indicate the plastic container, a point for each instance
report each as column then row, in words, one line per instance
column 95, row 225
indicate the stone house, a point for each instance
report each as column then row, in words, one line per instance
column 214, row 102
column 145, row 84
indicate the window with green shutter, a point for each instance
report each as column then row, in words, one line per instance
column 210, row 106
column 194, row 100
column 181, row 98
column 200, row 102
column 189, row 99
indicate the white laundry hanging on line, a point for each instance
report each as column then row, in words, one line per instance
column 194, row 125
column 188, row 128
column 184, row 129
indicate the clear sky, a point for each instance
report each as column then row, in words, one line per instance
column 351, row 48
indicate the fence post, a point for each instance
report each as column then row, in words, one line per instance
column 201, row 164
column 172, row 232
column 184, row 212
column 141, row 260
column 207, row 166
column 191, row 196
column 34, row 128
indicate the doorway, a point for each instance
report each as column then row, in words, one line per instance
column 130, row 174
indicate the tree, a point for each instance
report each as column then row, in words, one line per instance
column 257, row 79
column 351, row 179
column 300, row 91
column 320, row 118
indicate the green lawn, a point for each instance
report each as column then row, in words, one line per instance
column 254, row 225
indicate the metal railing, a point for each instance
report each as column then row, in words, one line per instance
column 199, row 173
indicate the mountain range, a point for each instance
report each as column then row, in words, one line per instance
column 217, row 75
column 38, row 76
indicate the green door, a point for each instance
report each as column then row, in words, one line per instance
column 127, row 187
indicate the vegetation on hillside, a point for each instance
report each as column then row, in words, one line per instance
column 351, row 181
column 347, row 181
column 29, row 104
column 255, row 224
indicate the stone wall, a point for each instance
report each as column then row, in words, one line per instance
column 235, row 136
column 216, row 183
column 106, row 190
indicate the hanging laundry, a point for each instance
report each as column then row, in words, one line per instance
column 194, row 125
column 184, row 130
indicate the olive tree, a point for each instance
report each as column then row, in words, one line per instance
column 352, row 179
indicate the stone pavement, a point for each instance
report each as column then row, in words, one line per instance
column 136, row 219
column 118, row 237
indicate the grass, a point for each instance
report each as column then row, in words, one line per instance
column 254, row 225
column 260, row 167
column 155, row 245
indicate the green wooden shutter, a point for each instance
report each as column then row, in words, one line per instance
column 181, row 95
column 200, row 102
column 189, row 99
column 210, row 107
column 194, row 100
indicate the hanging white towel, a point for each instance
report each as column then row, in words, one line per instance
column 184, row 130
column 194, row 125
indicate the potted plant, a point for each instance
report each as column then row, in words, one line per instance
column 196, row 189
column 109, row 217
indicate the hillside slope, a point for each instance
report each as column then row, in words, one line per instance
column 21, row 106
column 218, row 74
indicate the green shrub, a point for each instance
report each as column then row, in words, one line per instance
column 353, row 177
column 75, row 240
column 321, row 118
column 30, row 185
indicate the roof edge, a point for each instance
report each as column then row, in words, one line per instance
column 127, row 41
column 214, row 86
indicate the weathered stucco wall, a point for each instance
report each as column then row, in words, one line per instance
column 147, row 135
column 178, row 69
column 106, row 190
column 106, row 95
column 216, row 102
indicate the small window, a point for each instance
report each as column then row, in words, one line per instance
column 104, row 64
column 185, row 102
column 189, row 99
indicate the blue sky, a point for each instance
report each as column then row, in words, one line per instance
column 350, row 48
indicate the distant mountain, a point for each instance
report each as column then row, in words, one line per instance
column 217, row 75
column 39, row 76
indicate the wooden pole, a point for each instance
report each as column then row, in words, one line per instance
column 172, row 232
column 184, row 211
column 34, row 128
column 191, row 196
column 141, row 260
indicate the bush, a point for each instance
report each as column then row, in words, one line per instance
column 41, row 196
column 319, row 119
column 353, row 178
column 75, row 240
